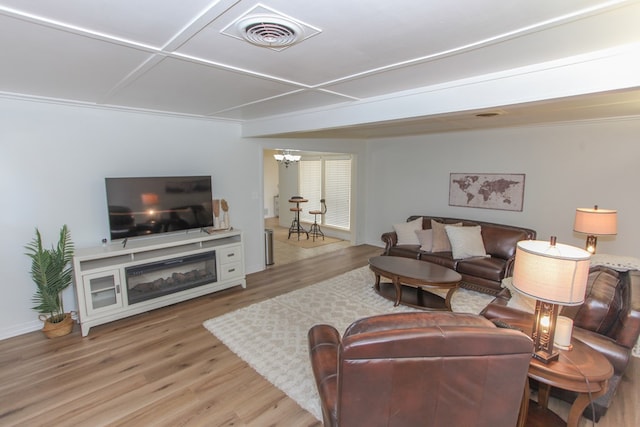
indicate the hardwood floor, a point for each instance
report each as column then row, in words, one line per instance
column 164, row 368
column 158, row 368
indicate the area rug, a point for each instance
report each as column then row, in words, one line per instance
column 271, row 336
column 281, row 235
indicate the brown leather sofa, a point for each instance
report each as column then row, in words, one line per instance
column 420, row 369
column 483, row 274
column 608, row 321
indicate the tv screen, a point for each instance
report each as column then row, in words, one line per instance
column 142, row 206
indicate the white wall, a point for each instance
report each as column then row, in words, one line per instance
column 271, row 182
column 52, row 169
column 566, row 166
column 55, row 157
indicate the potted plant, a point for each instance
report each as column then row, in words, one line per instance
column 52, row 273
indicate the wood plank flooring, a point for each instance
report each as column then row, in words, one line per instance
column 164, row 368
column 158, row 368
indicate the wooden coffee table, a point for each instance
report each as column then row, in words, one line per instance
column 418, row 275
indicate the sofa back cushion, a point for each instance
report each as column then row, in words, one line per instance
column 602, row 304
column 499, row 240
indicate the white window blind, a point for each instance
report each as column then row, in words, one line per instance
column 310, row 184
column 337, row 191
column 330, row 179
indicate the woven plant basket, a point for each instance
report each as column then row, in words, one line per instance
column 54, row 330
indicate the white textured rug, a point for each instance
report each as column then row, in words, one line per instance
column 271, row 336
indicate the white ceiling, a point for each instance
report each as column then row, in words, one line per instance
column 170, row 56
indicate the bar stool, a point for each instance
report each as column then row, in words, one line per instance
column 295, row 224
column 315, row 227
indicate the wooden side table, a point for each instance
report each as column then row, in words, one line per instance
column 582, row 370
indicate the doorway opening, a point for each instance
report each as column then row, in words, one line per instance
column 314, row 174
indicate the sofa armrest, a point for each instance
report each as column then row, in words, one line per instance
column 630, row 323
column 617, row 354
column 390, row 239
column 508, row 268
column 497, row 309
column 324, row 344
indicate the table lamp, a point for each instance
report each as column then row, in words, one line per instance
column 595, row 222
column 554, row 274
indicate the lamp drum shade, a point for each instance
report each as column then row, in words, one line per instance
column 556, row 274
column 596, row 221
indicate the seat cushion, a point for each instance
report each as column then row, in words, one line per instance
column 440, row 258
column 602, row 303
column 484, row 267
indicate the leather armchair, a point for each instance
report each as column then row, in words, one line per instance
column 420, row 369
column 608, row 321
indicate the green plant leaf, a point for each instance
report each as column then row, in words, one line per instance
column 51, row 271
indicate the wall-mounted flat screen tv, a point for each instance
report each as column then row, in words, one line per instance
column 142, row 206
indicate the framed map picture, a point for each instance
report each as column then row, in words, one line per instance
column 487, row 191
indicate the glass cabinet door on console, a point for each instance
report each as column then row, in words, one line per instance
column 103, row 291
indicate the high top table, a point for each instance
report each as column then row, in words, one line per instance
column 296, row 228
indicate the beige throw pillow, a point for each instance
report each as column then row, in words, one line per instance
column 440, row 238
column 425, row 237
column 466, row 242
column 406, row 232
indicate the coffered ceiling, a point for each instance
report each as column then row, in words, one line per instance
column 187, row 57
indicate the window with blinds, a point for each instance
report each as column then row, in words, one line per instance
column 327, row 178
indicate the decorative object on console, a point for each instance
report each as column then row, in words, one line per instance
column 225, row 214
column 553, row 274
column 52, row 273
column 595, row 222
column 216, row 214
column 287, row 158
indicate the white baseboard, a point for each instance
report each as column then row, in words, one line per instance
column 24, row 328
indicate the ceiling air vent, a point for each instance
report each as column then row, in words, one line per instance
column 265, row 27
column 270, row 31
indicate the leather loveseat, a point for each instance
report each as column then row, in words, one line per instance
column 608, row 321
column 420, row 369
column 481, row 273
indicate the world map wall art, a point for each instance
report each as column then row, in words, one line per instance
column 487, row 191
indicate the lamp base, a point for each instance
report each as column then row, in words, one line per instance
column 545, row 357
column 590, row 245
column 543, row 332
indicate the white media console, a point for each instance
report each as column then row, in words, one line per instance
column 117, row 281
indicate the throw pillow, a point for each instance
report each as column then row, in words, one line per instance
column 406, row 232
column 425, row 237
column 466, row 242
column 440, row 238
